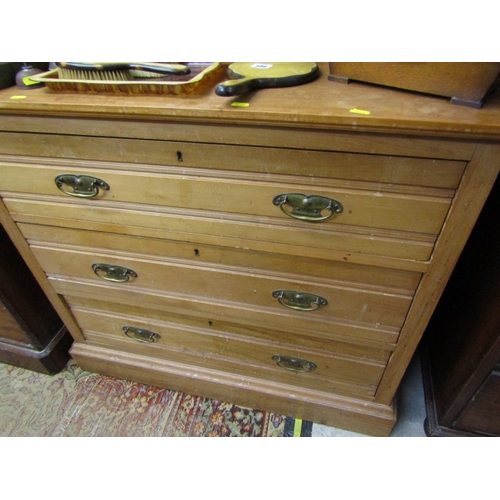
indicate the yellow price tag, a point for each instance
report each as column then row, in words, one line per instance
column 359, row 111
column 297, row 427
column 240, row 104
column 28, row 81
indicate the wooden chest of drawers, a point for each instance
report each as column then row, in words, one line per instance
column 286, row 256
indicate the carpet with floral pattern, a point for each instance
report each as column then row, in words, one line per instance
column 75, row 403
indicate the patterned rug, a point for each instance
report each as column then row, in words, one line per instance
column 75, row 403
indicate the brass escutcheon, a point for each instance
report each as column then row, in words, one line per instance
column 309, row 208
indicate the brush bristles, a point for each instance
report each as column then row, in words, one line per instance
column 135, row 73
column 78, row 74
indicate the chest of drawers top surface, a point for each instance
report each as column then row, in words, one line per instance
column 320, row 104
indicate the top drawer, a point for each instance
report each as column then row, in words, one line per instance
column 359, row 204
column 397, row 169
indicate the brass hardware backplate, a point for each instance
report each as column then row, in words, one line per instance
column 141, row 334
column 294, row 364
column 117, row 274
column 299, row 301
column 309, row 208
column 83, row 186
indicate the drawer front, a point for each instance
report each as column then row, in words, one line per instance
column 234, row 328
column 220, row 350
column 287, row 294
column 397, row 169
column 304, row 201
column 294, row 324
column 196, row 253
column 274, row 235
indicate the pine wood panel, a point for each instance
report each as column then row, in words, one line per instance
column 330, row 137
column 367, row 208
column 359, row 303
column 224, row 325
column 478, row 180
column 197, row 253
column 381, row 337
column 318, row 104
column 255, row 233
column 220, row 350
column 406, row 156
column 337, row 386
column 310, row 163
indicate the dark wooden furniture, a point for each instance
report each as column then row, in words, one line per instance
column 31, row 333
column 461, row 348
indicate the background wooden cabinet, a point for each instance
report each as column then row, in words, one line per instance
column 461, row 348
column 31, row 333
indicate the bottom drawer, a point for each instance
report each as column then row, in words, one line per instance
column 221, row 350
column 346, row 412
column 233, row 325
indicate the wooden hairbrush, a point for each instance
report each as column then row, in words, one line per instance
column 117, row 71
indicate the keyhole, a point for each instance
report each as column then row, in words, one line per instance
column 179, row 156
column 196, row 252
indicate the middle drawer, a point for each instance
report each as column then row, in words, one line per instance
column 309, row 300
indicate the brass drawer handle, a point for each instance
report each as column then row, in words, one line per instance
column 294, row 364
column 308, row 208
column 299, row 301
column 83, row 186
column 116, row 274
column 141, row 335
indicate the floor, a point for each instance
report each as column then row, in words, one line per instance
column 410, row 401
column 411, row 409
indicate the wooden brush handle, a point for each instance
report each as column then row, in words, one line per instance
column 162, row 68
column 236, row 87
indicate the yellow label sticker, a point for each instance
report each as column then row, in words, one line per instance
column 359, row 111
column 18, row 97
column 28, row 81
column 240, row 104
column 297, row 427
